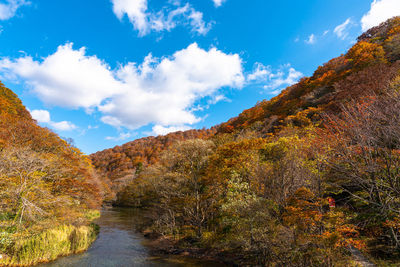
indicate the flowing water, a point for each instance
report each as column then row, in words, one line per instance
column 120, row 245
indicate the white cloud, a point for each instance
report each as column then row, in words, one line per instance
column 67, row 78
column 218, row 3
column 10, row 7
column 217, row 98
column 166, row 19
column 311, row 39
column 164, row 91
column 286, row 75
column 160, row 91
column 341, row 30
column 121, row 137
column 260, row 72
column 161, row 130
column 63, row 126
column 43, row 116
column 283, row 78
column 136, row 10
column 325, row 32
column 380, row 11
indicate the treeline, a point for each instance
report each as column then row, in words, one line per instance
column 45, row 183
column 259, row 189
column 121, row 164
column 265, row 200
column 367, row 67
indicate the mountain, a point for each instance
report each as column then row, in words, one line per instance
column 49, row 190
column 18, row 131
column 308, row 178
column 367, row 67
column 293, row 181
column 121, row 163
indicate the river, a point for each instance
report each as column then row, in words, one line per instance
column 120, row 245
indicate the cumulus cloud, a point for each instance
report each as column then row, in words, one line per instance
column 159, row 91
column 380, row 11
column 10, row 7
column 341, row 30
column 217, row 98
column 161, row 130
column 67, row 78
column 43, row 116
column 163, row 91
column 166, row 19
column 274, row 81
column 260, row 72
column 218, row 3
column 63, row 126
column 120, row 137
column 311, row 39
column 136, row 10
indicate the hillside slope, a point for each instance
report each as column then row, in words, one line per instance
column 367, row 67
column 121, row 163
column 293, row 181
column 45, row 185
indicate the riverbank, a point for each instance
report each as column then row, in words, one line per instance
column 162, row 245
column 49, row 245
column 120, row 244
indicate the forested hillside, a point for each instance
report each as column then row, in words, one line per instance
column 48, row 190
column 366, row 68
column 122, row 163
column 294, row 181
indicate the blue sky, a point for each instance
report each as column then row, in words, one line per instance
column 105, row 72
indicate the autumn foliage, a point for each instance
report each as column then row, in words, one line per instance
column 44, row 182
column 256, row 188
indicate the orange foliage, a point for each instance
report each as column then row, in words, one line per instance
column 127, row 159
column 321, row 91
column 364, row 53
column 19, row 130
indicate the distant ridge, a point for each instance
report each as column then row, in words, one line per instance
column 367, row 67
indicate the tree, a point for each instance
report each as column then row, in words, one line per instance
column 366, row 159
column 26, row 191
column 365, row 53
column 321, row 236
column 179, row 188
column 188, row 162
column 291, row 164
column 251, row 223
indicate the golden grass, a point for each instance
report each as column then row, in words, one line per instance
column 49, row 245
